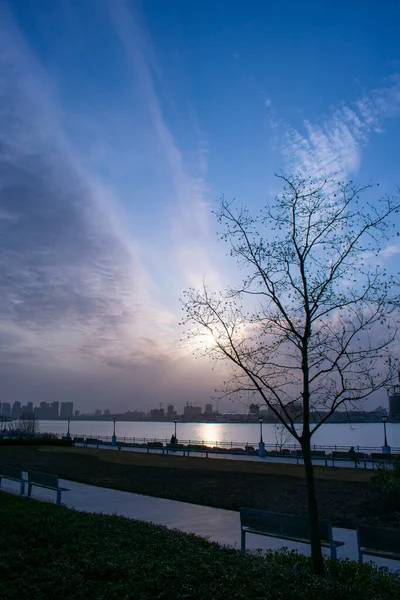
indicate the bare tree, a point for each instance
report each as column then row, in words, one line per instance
column 282, row 436
column 313, row 322
column 27, row 424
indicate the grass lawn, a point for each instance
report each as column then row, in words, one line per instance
column 51, row 552
column 345, row 495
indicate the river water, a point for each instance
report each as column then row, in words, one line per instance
column 369, row 435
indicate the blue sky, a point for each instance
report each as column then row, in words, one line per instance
column 121, row 122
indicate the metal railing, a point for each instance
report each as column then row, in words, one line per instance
column 242, row 445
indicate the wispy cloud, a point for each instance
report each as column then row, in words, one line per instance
column 190, row 219
column 335, row 144
column 70, row 276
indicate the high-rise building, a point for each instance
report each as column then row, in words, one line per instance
column 66, row 410
column 394, row 402
column 16, row 410
column 157, row 414
column 170, row 412
column 27, row 409
column 97, row 412
column 77, row 413
column 6, row 409
column 44, row 411
column 54, row 409
column 191, row 412
column 208, row 409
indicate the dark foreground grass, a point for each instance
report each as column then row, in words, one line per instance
column 49, row 551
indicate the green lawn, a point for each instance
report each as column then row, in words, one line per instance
column 51, row 552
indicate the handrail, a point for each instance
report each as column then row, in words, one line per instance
column 242, row 445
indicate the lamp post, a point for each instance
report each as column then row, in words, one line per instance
column 386, row 449
column 114, row 437
column 261, row 445
column 68, row 436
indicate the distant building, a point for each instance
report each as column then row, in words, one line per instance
column 170, row 412
column 394, row 402
column 235, row 417
column 254, row 409
column 27, row 409
column 16, row 410
column 157, row 414
column 54, row 410
column 208, row 409
column 191, row 412
column 6, row 409
column 77, row 413
column 66, row 410
column 43, row 411
column 107, row 412
column 293, row 409
column 97, row 412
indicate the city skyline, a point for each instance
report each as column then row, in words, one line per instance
column 191, row 413
column 115, row 147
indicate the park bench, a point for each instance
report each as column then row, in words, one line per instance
column 155, row 446
column 174, row 447
column 79, row 440
column 92, row 442
column 13, row 474
column 346, row 457
column 317, row 454
column 199, row 448
column 381, row 458
column 375, row 541
column 45, row 480
column 284, row 453
column 285, row 527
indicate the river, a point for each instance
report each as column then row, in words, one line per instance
column 369, row 435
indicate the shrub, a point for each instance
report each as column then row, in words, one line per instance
column 40, row 440
column 387, row 483
column 52, row 552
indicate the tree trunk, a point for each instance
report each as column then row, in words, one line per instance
column 316, row 551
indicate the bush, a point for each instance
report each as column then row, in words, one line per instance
column 46, row 439
column 387, row 483
column 52, row 552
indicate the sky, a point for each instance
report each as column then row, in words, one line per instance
column 121, row 123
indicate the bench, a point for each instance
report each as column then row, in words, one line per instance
column 285, row 527
column 92, row 441
column 155, row 446
column 45, row 480
column 374, row 541
column 199, row 448
column 317, row 454
column 380, row 457
column 352, row 457
column 13, row 474
column 174, row 447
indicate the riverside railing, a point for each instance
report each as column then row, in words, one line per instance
column 224, row 445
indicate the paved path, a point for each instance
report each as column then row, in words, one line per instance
column 226, row 456
column 222, row 526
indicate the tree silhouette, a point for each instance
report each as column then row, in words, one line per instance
column 313, row 322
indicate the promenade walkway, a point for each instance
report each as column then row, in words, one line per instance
column 221, row 526
column 227, row 456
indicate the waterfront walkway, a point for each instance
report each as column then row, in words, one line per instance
column 218, row 525
column 291, row 459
